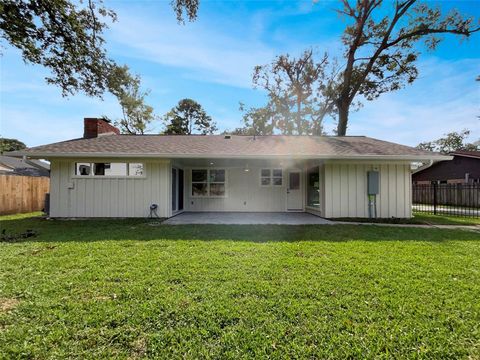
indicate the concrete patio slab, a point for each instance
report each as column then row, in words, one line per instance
column 241, row 218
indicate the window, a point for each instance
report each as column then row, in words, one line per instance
column 135, row 169
column 208, row 182
column 199, row 182
column 294, row 180
column 271, row 177
column 277, row 177
column 83, row 169
column 109, row 169
column 265, row 177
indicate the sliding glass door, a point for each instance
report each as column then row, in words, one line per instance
column 313, row 187
column 177, row 189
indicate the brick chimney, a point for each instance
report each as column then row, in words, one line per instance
column 94, row 127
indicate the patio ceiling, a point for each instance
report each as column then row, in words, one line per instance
column 281, row 163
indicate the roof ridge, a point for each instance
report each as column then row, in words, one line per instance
column 240, row 135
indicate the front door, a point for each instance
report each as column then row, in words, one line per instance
column 294, row 191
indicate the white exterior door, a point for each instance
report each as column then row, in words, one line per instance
column 294, row 191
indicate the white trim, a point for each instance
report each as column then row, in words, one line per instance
column 277, row 177
column 45, row 155
column 301, row 189
column 271, row 177
column 208, row 183
column 465, row 155
column 93, row 176
column 177, row 169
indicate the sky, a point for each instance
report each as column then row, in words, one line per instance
column 211, row 61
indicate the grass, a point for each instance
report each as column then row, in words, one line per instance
column 132, row 289
column 444, row 219
column 419, row 219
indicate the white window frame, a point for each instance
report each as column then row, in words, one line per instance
column 92, row 170
column 208, row 182
column 271, row 177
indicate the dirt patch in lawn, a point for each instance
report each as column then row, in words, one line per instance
column 8, row 304
column 139, row 348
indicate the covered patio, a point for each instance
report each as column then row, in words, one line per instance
column 247, row 218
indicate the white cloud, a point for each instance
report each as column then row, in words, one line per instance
column 39, row 127
column 202, row 51
column 444, row 99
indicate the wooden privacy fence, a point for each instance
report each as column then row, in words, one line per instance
column 21, row 194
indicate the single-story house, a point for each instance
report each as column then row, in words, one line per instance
column 21, row 166
column 463, row 169
column 105, row 174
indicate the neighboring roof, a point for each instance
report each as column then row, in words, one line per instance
column 219, row 146
column 450, row 170
column 24, row 167
column 472, row 154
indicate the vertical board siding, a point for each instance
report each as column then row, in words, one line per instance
column 22, row 194
column 345, row 203
column 323, row 197
column 383, row 201
column 108, row 196
column 243, row 193
column 346, row 190
column 352, row 188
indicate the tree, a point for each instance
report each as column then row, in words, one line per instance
column 10, row 145
column 257, row 121
column 136, row 114
column 454, row 141
column 66, row 37
column 299, row 92
column 188, row 8
column 187, row 118
column 380, row 54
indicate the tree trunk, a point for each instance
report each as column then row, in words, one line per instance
column 343, row 108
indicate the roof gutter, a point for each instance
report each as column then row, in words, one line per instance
column 232, row 156
column 430, row 163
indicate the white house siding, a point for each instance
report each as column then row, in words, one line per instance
column 72, row 196
column 343, row 184
column 346, row 189
column 243, row 193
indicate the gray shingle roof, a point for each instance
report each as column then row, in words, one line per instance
column 221, row 147
column 27, row 167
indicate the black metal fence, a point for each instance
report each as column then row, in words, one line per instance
column 447, row 199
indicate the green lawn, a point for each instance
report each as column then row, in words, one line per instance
column 132, row 289
column 419, row 219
